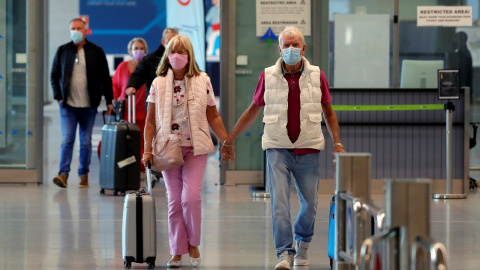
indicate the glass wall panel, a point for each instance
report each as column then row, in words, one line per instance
column 13, row 85
column 360, row 57
column 424, row 50
column 421, row 50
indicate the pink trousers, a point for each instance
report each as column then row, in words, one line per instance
column 184, row 187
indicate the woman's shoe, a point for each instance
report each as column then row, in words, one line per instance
column 174, row 264
column 195, row 261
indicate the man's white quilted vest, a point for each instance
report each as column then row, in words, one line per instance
column 276, row 106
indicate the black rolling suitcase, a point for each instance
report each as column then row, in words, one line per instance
column 120, row 155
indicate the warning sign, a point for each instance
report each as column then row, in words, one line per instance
column 444, row 16
column 278, row 14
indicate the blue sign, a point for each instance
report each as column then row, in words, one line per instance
column 113, row 23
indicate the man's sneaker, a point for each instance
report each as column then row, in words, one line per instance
column 301, row 258
column 60, row 180
column 286, row 261
column 84, row 181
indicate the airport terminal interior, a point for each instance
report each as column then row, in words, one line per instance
column 46, row 227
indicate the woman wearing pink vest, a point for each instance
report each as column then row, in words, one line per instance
column 179, row 80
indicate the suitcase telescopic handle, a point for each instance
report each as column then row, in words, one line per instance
column 103, row 114
column 131, row 102
column 149, row 178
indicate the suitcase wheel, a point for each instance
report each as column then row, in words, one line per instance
column 102, row 191
column 128, row 265
column 115, row 193
column 122, row 192
column 151, row 265
column 331, row 263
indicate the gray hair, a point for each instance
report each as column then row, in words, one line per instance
column 167, row 30
column 78, row 19
column 291, row 31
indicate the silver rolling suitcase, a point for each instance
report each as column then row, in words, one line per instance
column 139, row 233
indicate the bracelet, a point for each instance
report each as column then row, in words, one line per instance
column 226, row 145
column 338, row 144
column 147, row 153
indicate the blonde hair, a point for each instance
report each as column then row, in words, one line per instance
column 137, row 39
column 291, row 31
column 192, row 69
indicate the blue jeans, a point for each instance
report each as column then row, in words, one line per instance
column 70, row 118
column 282, row 165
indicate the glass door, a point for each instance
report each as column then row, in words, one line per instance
column 21, row 90
column 13, row 85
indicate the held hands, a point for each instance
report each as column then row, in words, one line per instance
column 227, row 151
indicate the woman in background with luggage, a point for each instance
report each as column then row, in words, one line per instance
column 137, row 48
column 176, row 72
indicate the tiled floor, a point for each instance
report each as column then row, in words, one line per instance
column 45, row 227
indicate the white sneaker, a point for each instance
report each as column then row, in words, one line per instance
column 301, row 258
column 286, row 261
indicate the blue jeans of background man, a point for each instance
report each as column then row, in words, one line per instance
column 70, row 118
column 282, row 166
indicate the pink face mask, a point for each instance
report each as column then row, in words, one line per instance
column 178, row 61
column 138, row 54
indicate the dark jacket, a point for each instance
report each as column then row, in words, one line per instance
column 145, row 72
column 99, row 81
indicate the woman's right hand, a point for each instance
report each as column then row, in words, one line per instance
column 147, row 157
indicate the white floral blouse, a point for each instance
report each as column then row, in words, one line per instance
column 179, row 119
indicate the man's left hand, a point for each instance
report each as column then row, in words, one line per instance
column 338, row 149
column 110, row 109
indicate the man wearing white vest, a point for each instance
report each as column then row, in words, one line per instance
column 293, row 94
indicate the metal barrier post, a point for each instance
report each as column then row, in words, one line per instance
column 352, row 177
column 427, row 254
column 407, row 206
column 449, row 108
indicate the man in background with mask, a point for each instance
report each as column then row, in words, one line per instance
column 145, row 72
column 294, row 94
column 79, row 78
